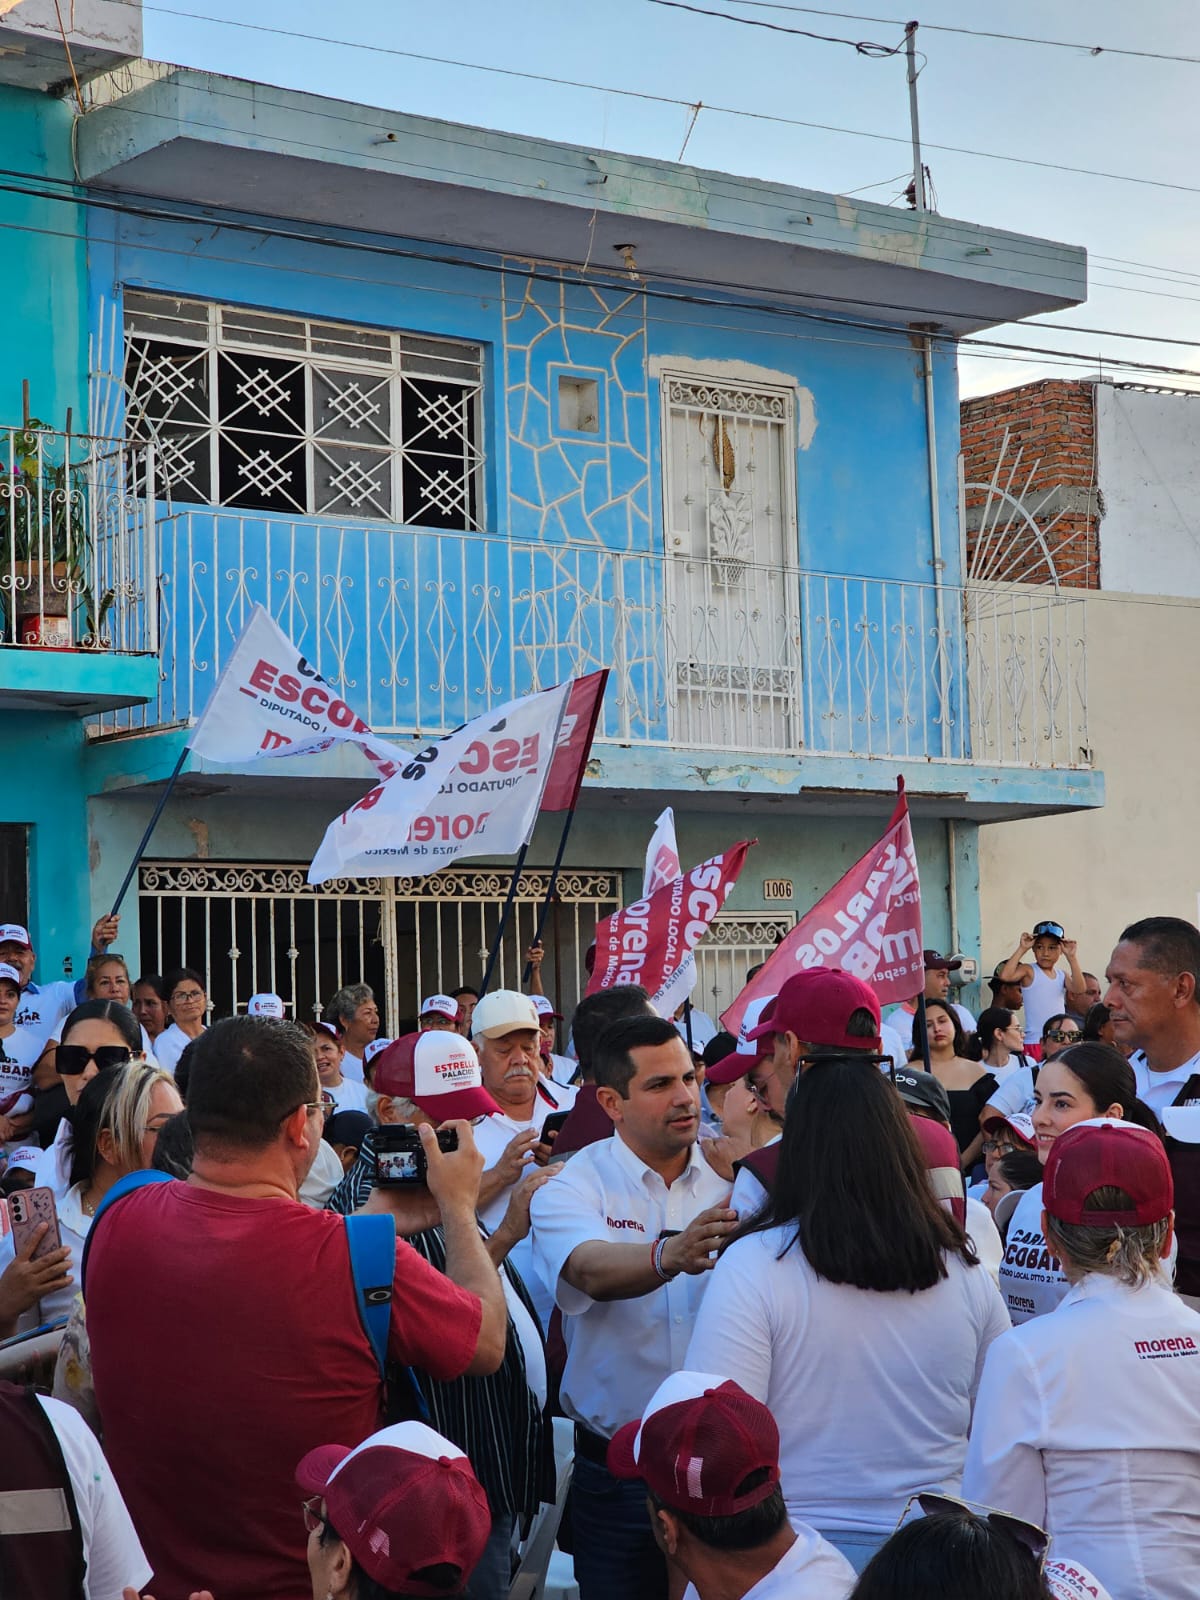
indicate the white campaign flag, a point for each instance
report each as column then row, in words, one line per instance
column 474, row 793
column 663, row 866
column 270, row 702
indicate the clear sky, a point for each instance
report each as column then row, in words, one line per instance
column 1115, row 114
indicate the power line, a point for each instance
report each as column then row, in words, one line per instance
column 729, row 111
column 976, row 33
column 862, row 46
column 896, row 342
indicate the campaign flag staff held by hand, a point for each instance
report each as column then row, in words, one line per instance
column 268, row 701
column 868, row 924
column 562, row 790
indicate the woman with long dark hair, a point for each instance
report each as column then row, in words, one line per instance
column 967, row 1084
column 1080, row 1084
column 853, row 1269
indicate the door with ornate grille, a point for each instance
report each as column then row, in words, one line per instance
column 733, row 609
column 251, row 927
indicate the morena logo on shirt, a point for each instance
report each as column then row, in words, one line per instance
column 1027, row 1249
column 621, row 1223
column 1163, row 1349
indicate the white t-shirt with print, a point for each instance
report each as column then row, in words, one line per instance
column 42, row 1007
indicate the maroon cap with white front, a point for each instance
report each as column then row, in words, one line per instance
column 698, row 1439
column 404, row 1500
column 438, row 1071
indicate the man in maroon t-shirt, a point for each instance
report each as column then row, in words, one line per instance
column 226, row 1339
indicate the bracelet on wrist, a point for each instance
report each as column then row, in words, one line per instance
column 656, row 1257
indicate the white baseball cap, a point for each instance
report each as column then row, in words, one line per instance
column 14, row 933
column 504, row 1011
column 9, row 974
column 25, row 1157
column 266, row 1005
column 440, row 1005
column 544, row 1007
column 373, row 1049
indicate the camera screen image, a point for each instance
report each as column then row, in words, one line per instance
column 398, row 1166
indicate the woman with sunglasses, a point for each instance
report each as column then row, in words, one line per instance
column 855, row 1308
column 1082, row 1083
column 97, row 1034
column 188, row 1003
column 1088, row 1422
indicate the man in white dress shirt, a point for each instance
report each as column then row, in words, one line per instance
column 1153, row 998
column 708, row 1454
column 625, row 1235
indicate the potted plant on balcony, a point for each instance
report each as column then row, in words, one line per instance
column 43, row 542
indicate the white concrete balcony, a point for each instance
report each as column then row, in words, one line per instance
column 421, row 630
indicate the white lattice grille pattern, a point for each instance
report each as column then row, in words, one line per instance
column 257, row 411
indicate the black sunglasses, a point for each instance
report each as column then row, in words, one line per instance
column 72, row 1059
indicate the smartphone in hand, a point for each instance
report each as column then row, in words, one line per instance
column 26, row 1209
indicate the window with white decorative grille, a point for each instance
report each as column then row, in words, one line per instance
column 257, row 411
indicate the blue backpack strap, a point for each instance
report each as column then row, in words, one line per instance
column 122, row 1187
column 372, row 1243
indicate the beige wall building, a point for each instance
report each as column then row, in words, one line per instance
column 1116, row 491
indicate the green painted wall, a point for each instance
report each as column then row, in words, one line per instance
column 43, row 259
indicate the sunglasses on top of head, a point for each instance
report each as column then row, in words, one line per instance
column 72, row 1059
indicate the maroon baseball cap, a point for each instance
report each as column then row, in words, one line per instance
column 817, row 1004
column 403, row 1500
column 697, row 1440
column 1103, row 1154
column 750, row 1049
column 438, row 1071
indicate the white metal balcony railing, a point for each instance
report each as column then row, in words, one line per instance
column 421, row 630
column 78, row 563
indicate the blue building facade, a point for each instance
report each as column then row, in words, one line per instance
column 471, row 414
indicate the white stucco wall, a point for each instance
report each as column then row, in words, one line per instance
column 1148, row 474
column 1137, row 856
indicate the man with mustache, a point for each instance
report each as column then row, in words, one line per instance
column 505, row 1027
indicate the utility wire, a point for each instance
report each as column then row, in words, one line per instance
column 674, row 100
column 208, row 222
column 863, row 46
column 974, row 33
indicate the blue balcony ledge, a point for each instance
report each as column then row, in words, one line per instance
column 82, row 682
column 692, row 779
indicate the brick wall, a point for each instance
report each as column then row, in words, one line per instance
column 1051, row 435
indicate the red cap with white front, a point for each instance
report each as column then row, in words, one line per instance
column 545, row 1008
column 438, row 1071
column 403, row 1500
column 1019, row 1123
column 1108, row 1154
column 9, row 974
column 750, row 1049
column 14, row 933
column 698, row 1439
column 816, row 1006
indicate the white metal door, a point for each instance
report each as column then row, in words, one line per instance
column 732, row 597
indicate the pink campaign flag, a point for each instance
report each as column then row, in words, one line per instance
column 868, row 924
column 647, row 942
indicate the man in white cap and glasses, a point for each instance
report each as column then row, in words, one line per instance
column 708, row 1455
column 506, row 1030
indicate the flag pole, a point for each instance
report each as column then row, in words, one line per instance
column 494, row 953
column 551, row 889
column 150, row 827
column 924, row 1031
